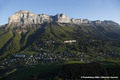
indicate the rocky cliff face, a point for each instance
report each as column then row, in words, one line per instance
column 27, row 17
column 62, row 18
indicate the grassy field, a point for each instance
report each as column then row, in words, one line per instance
column 109, row 62
column 70, row 62
column 27, row 52
column 47, row 71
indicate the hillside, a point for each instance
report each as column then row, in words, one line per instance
column 51, row 36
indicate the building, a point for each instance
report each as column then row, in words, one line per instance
column 19, row 56
column 69, row 41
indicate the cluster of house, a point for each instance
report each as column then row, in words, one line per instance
column 67, row 41
column 44, row 57
column 48, row 57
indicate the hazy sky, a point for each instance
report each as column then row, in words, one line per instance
column 90, row 9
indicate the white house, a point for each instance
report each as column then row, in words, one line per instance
column 69, row 41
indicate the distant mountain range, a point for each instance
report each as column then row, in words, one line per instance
column 27, row 31
column 27, row 17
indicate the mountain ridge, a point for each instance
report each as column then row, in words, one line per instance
column 27, row 17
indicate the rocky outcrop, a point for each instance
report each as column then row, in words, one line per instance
column 27, row 17
column 76, row 21
column 62, row 18
column 22, row 17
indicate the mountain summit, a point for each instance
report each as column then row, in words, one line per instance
column 27, row 17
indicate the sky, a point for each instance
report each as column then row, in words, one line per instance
column 78, row 9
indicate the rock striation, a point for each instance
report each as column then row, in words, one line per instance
column 27, row 17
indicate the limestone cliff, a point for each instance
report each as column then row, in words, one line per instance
column 27, row 17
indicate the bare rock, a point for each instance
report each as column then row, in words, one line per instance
column 27, row 17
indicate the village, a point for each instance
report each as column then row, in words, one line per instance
column 20, row 60
column 46, row 57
